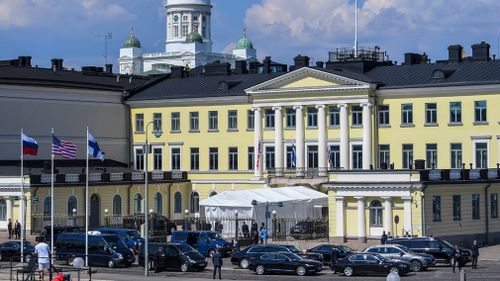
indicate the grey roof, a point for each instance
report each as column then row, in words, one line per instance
column 467, row 72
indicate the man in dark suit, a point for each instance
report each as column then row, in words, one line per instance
column 9, row 227
column 457, row 256
column 17, row 229
column 383, row 238
column 475, row 254
column 217, row 261
column 245, row 230
column 333, row 265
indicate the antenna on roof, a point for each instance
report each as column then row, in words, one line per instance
column 355, row 28
column 107, row 36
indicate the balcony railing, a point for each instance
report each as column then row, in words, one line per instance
column 298, row 172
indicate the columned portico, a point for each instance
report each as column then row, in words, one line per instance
column 344, row 137
column 278, row 141
column 299, row 139
column 407, row 214
column 322, row 151
column 258, row 147
column 387, row 214
column 361, row 218
column 367, row 136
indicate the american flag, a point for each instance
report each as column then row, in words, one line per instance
column 259, row 155
column 63, row 148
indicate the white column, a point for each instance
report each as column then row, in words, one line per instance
column 299, row 139
column 322, row 151
column 361, row 218
column 9, row 209
column 344, row 137
column 407, row 214
column 388, row 214
column 340, row 216
column 367, row 136
column 278, row 141
column 257, row 136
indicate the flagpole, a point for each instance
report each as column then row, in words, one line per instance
column 52, row 200
column 22, row 199
column 87, row 202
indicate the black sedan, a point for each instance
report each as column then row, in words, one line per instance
column 173, row 257
column 284, row 263
column 242, row 257
column 326, row 250
column 371, row 264
column 302, row 254
column 12, row 250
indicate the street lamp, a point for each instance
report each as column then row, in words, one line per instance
column 74, row 216
column 106, row 217
column 236, row 218
column 255, row 203
column 186, row 214
column 274, row 224
column 157, row 133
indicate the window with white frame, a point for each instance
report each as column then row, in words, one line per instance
column 157, row 121
column 158, row 205
column 383, row 114
column 290, row 164
column 357, row 115
column 138, row 203
column 455, row 112
column 456, row 155
column 312, row 117
column 269, row 118
column 407, row 114
column 270, row 157
column 157, row 158
column 431, row 155
column 3, row 210
column 176, row 31
column 194, row 202
column 430, row 113
column 213, row 120
column 195, row 158
column 407, row 156
column 480, row 111
column 290, row 117
column 376, row 214
column 139, row 158
column 117, row 205
column 194, row 121
column 139, row 122
column 178, row 203
column 357, row 157
column 312, row 156
column 334, row 114
column 184, row 30
column 232, row 118
column 213, row 158
column 384, row 156
column 175, row 158
column 233, row 158
column 251, row 159
column 72, row 204
column 481, row 154
column 250, row 119
column 334, row 161
column 175, row 121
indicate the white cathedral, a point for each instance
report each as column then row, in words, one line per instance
column 188, row 42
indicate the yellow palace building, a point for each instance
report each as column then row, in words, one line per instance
column 398, row 148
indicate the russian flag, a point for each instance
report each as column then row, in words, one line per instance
column 30, row 146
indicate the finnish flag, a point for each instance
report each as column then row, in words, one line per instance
column 94, row 149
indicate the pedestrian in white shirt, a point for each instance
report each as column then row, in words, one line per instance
column 42, row 251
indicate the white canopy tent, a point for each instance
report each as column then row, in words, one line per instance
column 297, row 202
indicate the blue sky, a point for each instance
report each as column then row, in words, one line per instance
column 73, row 29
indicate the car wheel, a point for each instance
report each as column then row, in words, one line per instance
column 394, row 269
column 348, row 271
column 70, row 259
column 184, row 267
column 415, row 265
column 452, row 261
column 244, row 263
column 111, row 264
column 260, row 270
column 301, row 271
column 211, row 252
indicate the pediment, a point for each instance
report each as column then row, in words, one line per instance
column 307, row 78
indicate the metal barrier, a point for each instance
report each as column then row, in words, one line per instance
column 21, row 272
column 478, row 275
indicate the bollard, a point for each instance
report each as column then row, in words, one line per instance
column 463, row 274
column 393, row 277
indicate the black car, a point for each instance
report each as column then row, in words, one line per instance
column 326, row 250
column 371, row 264
column 242, row 257
column 440, row 249
column 302, row 254
column 309, row 230
column 12, row 250
column 174, row 257
column 284, row 263
column 57, row 230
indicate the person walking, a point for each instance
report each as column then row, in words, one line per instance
column 475, row 254
column 42, row 252
column 263, row 234
column 383, row 238
column 457, row 256
column 333, row 264
column 9, row 227
column 17, row 229
column 217, row 262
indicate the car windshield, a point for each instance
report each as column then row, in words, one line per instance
column 293, row 249
column 293, row 256
column 215, row 236
column 115, row 243
column 380, row 257
column 184, row 248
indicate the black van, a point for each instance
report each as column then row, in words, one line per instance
column 441, row 250
column 175, row 256
column 104, row 250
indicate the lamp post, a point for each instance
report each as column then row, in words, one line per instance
column 186, row 214
column 267, row 215
column 106, row 217
column 158, row 133
column 274, row 224
column 74, row 216
column 236, row 223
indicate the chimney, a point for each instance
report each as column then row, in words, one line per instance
column 412, row 58
column 109, row 68
column 481, row 51
column 177, row 72
column 57, row 64
column 253, row 66
column 455, row 53
column 300, row 61
column 217, row 69
column 267, row 64
column 240, row 67
column 24, row 61
column 320, row 64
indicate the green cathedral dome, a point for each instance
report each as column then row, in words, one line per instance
column 244, row 42
column 132, row 41
column 194, row 37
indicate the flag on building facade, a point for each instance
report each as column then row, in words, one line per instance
column 294, row 156
column 259, row 155
column 30, row 146
column 63, row 148
column 330, row 157
column 94, row 149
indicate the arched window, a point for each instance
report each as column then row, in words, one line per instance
column 117, row 205
column 212, row 193
column 46, row 206
column 3, row 210
column 194, row 202
column 72, row 204
column 158, row 204
column 376, row 214
column 138, row 203
column 178, row 203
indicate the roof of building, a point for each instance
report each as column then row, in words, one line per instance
column 132, row 41
column 194, row 37
column 244, row 42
